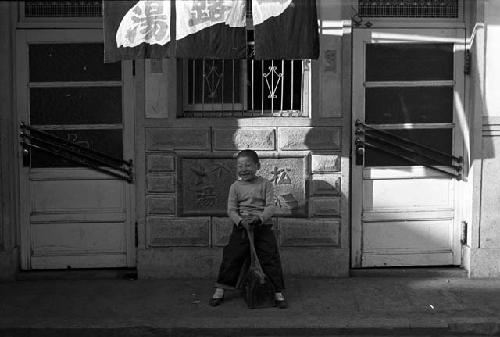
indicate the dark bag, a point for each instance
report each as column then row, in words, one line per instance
column 258, row 290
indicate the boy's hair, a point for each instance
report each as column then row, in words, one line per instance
column 249, row 154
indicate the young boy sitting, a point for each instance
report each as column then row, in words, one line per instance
column 250, row 204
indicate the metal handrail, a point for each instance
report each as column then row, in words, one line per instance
column 78, row 161
column 358, row 123
column 411, row 160
column 79, row 147
column 64, row 149
column 457, row 168
column 75, row 153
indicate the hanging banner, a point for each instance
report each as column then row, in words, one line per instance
column 285, row 29
column 137, row 30
column 216, row 29
column 202, row 29
column 211, row 29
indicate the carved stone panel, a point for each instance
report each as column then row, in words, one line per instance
column 288, row 178
column 204, row 184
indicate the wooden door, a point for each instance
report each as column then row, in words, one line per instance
column 73, row 216
column 408, row 83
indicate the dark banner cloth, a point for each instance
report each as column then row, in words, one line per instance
column 202, row 29
column 216, row 42
column 291, row 35
column 284, row 29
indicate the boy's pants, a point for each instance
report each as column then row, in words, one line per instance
column 238, row 249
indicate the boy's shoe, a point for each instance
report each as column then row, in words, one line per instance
column 215, row 301
column 282, row 304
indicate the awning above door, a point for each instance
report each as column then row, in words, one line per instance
column 283, row 29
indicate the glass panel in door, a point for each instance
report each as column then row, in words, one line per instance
column 406, row 84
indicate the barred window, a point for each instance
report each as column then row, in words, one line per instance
column 250, row 88
column 62, row 9
column 409, row 8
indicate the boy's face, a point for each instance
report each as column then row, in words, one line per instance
column 247, row 168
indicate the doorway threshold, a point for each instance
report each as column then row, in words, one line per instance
column 411, row 272
column 78, row 274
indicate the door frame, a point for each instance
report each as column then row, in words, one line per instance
column 393, row 35
column 23, row 38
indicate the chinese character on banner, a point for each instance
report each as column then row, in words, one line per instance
column 147, row 21
column 207, row 10
column 196, row 15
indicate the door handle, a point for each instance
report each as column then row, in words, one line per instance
column 26, row 155
column 360, row 151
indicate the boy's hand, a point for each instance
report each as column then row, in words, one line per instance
column 245, row 223
column 250, row 221
column 254, row 220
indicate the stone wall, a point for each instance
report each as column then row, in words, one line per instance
column 189, row 165
column 186, row 195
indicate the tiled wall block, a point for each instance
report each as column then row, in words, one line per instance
column 158, row 139
column 174, row 232
column 325, row 206
column 309, row 232
column 160, row 163
column 323, row 184
column 309, row 138
column 156, row 204
column 321, row 163
column 239, row 139
column 161, row 183
column 223, row 227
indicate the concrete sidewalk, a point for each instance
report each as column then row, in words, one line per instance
column 356, row 305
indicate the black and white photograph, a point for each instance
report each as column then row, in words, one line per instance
column 244, row 168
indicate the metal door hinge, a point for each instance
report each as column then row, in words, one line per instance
column 467, row 62
column 136, row 235
column 463, row 237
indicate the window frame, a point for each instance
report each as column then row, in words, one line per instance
column 218, row 107
column 196, row 110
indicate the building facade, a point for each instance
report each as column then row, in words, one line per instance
column 340, row 138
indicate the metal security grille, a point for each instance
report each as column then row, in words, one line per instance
column 61, row 9
column 409, row 8
column 251, row 88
